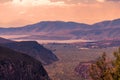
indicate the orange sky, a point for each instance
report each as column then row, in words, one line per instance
column 16, row 13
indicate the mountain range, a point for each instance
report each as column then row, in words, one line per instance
column 60, row 30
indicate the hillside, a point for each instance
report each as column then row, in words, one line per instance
column 18, row 66
column 33, row 49
column 60, row 30
column 2, row 40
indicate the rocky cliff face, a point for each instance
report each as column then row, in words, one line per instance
column 18, row 66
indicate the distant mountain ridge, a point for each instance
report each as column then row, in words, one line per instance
column 60, row 30
column 43, row 26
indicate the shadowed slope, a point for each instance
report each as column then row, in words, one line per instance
column 18, row 66
column 2, row 40
column 33, row 49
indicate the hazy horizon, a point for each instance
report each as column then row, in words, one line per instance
column 15, row 13
column 54, row 21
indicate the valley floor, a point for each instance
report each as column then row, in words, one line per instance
column 69, row 57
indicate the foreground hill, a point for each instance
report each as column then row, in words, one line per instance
column 59, row 30
column 2, row 40
column 18, row 66
column 33, row 49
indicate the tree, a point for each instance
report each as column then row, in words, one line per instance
column 116, row 64
column 106, row 70
column 101, row 69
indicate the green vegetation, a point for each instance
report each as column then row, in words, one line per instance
column 104, row 69
column 116, row 64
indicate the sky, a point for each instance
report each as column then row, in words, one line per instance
column 16, row 13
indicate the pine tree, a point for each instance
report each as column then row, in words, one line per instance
column 101, row 70
column 116, row 64
column 104, row 70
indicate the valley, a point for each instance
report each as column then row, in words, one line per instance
column 70, row 57
column 62, row 46
column 59, row 39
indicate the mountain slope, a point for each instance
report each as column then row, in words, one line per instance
column 2, row 40
column 98, row 34
column 108, row 24
column 18, row 66
column 33, row 49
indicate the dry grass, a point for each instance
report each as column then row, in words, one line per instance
column 70, row 57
